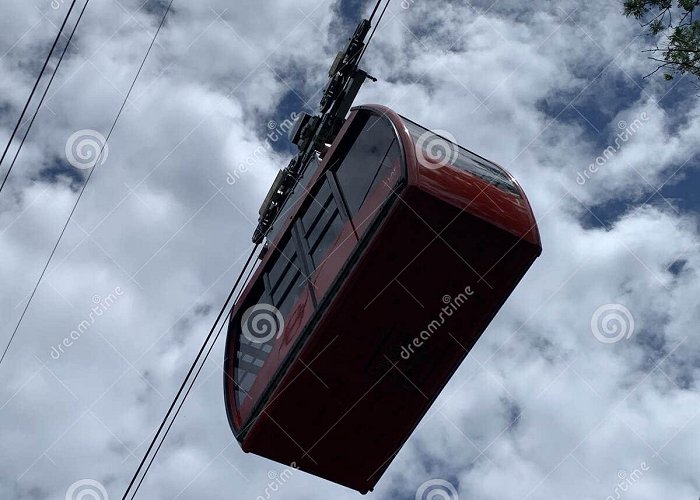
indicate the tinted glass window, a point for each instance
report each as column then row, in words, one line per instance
column 251, row 357
column 321, row 223
column 286, row 277
column 262, row 321
column 251, row 354
column 373, row 151
column 325, row 233
column 320, row 203
column 381, row 173
column 300, row 189
column 463, row 159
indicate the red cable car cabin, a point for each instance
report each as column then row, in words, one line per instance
column 383, row 270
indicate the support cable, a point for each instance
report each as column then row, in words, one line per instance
column 206, row 356
column 41, row 101
column 374, row 11
column 376, row 25
column 187, row 383
column 87, row 180
column 38, row 79
column 184, row 384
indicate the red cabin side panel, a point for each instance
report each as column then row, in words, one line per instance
column 353, row 396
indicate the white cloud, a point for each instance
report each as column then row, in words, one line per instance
column 158, row 226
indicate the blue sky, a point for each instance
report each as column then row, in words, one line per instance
column 542, row 407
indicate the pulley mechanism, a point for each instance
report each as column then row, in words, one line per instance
column 312, row 132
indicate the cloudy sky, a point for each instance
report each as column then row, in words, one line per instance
column 545, row 406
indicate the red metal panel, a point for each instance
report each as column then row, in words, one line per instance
column 467, row 192
column 342, row 410
column 352, row 381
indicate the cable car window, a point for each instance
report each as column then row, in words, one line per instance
column 327, row 233
column 282, row 284
column 321, row 223
column 250, row 355
column 464, row 159
column 367, row 157
column 392, row 156
column 318, row 206
column 285, row 278
column 301, row 188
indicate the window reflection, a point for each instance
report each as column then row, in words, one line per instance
column 367, row 162
column 464, row 159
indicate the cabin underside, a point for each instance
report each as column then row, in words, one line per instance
column 417, row 299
